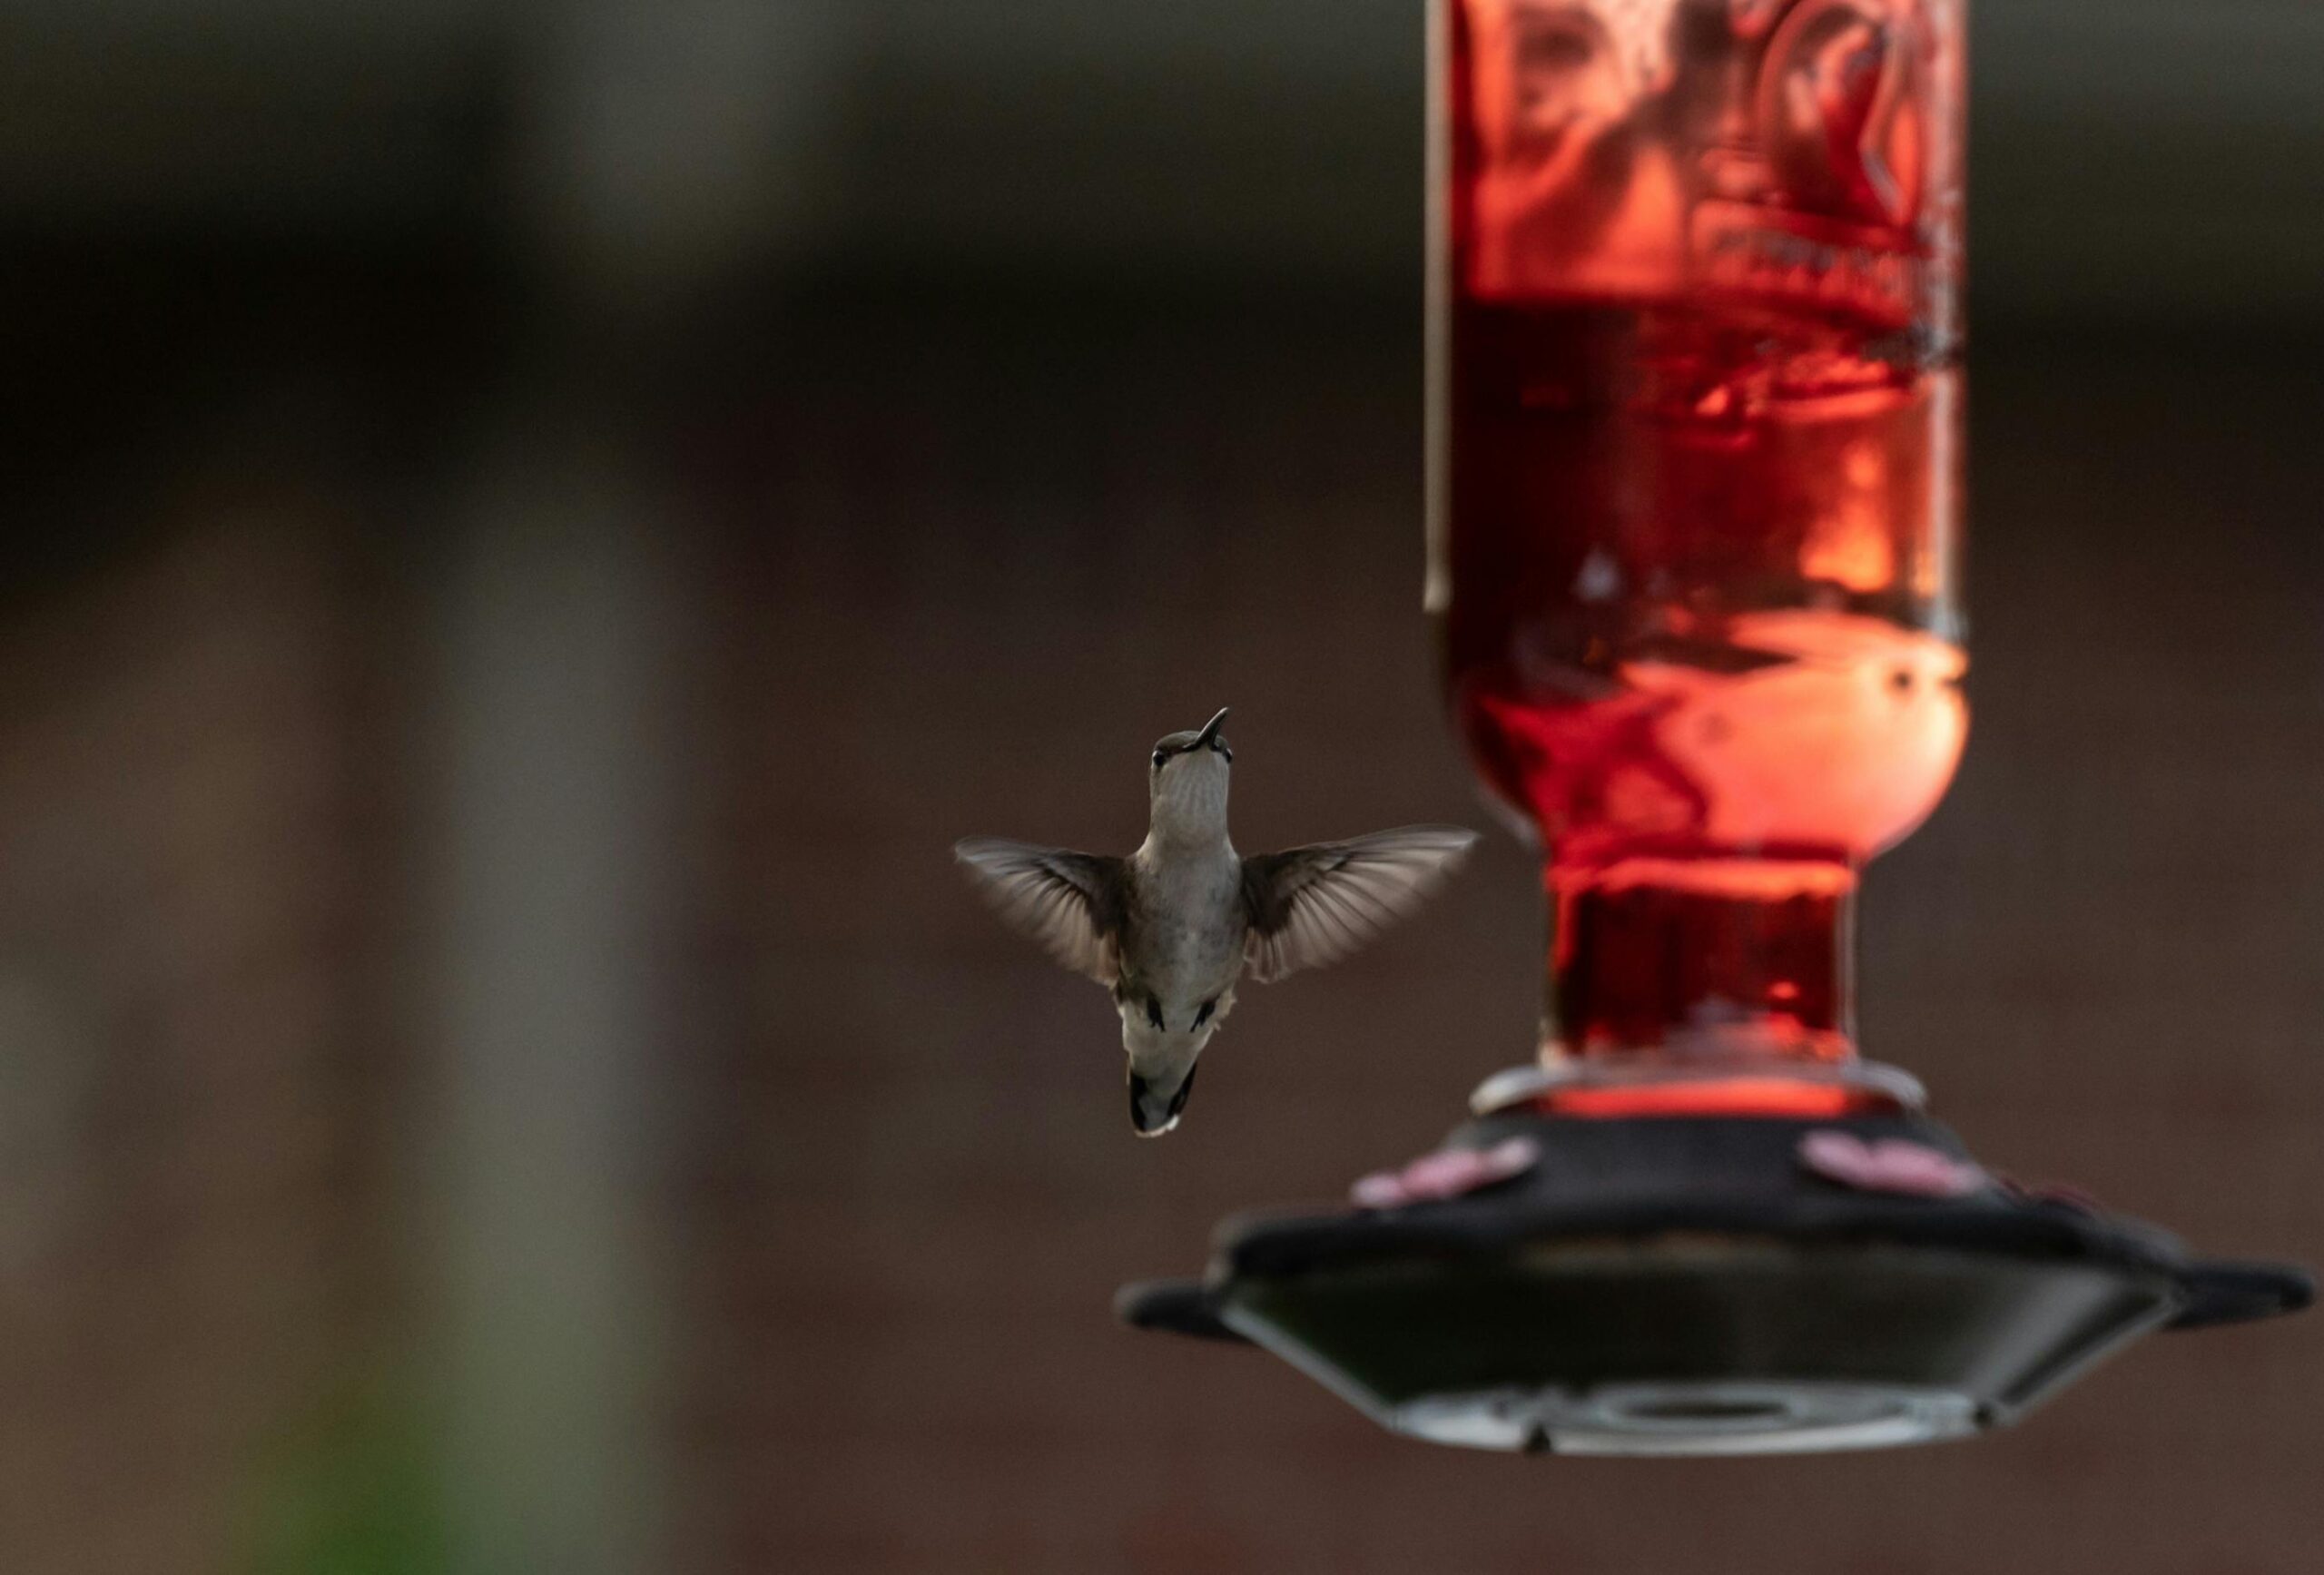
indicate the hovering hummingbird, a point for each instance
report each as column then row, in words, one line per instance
column 1172, row 927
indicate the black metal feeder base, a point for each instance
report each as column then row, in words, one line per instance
column 1686, row 1285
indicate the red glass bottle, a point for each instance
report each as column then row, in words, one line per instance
column 1694, row 502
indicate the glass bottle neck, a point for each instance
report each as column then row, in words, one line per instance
column 1724, row 964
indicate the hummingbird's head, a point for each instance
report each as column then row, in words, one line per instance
column 1187, row 784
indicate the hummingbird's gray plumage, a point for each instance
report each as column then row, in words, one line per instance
column 1170, row 929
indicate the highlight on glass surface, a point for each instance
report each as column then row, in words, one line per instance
column 1694, row 503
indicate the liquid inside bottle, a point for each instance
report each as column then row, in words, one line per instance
column 1697, row 405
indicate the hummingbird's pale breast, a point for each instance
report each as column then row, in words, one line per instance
column 1183, row 942
column 1183, row 945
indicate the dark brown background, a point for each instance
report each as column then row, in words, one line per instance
column 529, row 534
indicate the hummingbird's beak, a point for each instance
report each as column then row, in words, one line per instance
column 1209, row 733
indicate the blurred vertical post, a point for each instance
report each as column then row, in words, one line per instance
column 662, row 152
column 669, row 147
column 559, row 839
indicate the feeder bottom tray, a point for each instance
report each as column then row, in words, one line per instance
column 1684, row 1285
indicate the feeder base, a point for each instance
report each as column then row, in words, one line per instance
column 1686, row 1285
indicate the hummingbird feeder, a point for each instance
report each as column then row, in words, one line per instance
column 1695, row 399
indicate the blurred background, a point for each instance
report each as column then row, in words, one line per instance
column 529, row 528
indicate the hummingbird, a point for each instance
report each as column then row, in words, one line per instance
column 1170, row 929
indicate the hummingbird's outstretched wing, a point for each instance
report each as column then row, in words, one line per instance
column 1313, row 905
column 1072, row 903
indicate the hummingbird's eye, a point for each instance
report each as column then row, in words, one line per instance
column 1159, row 756
column 1227, row 752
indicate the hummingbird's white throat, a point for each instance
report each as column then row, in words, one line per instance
column 1189, row 798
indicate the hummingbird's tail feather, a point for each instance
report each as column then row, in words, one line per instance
column 1155, row 1104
